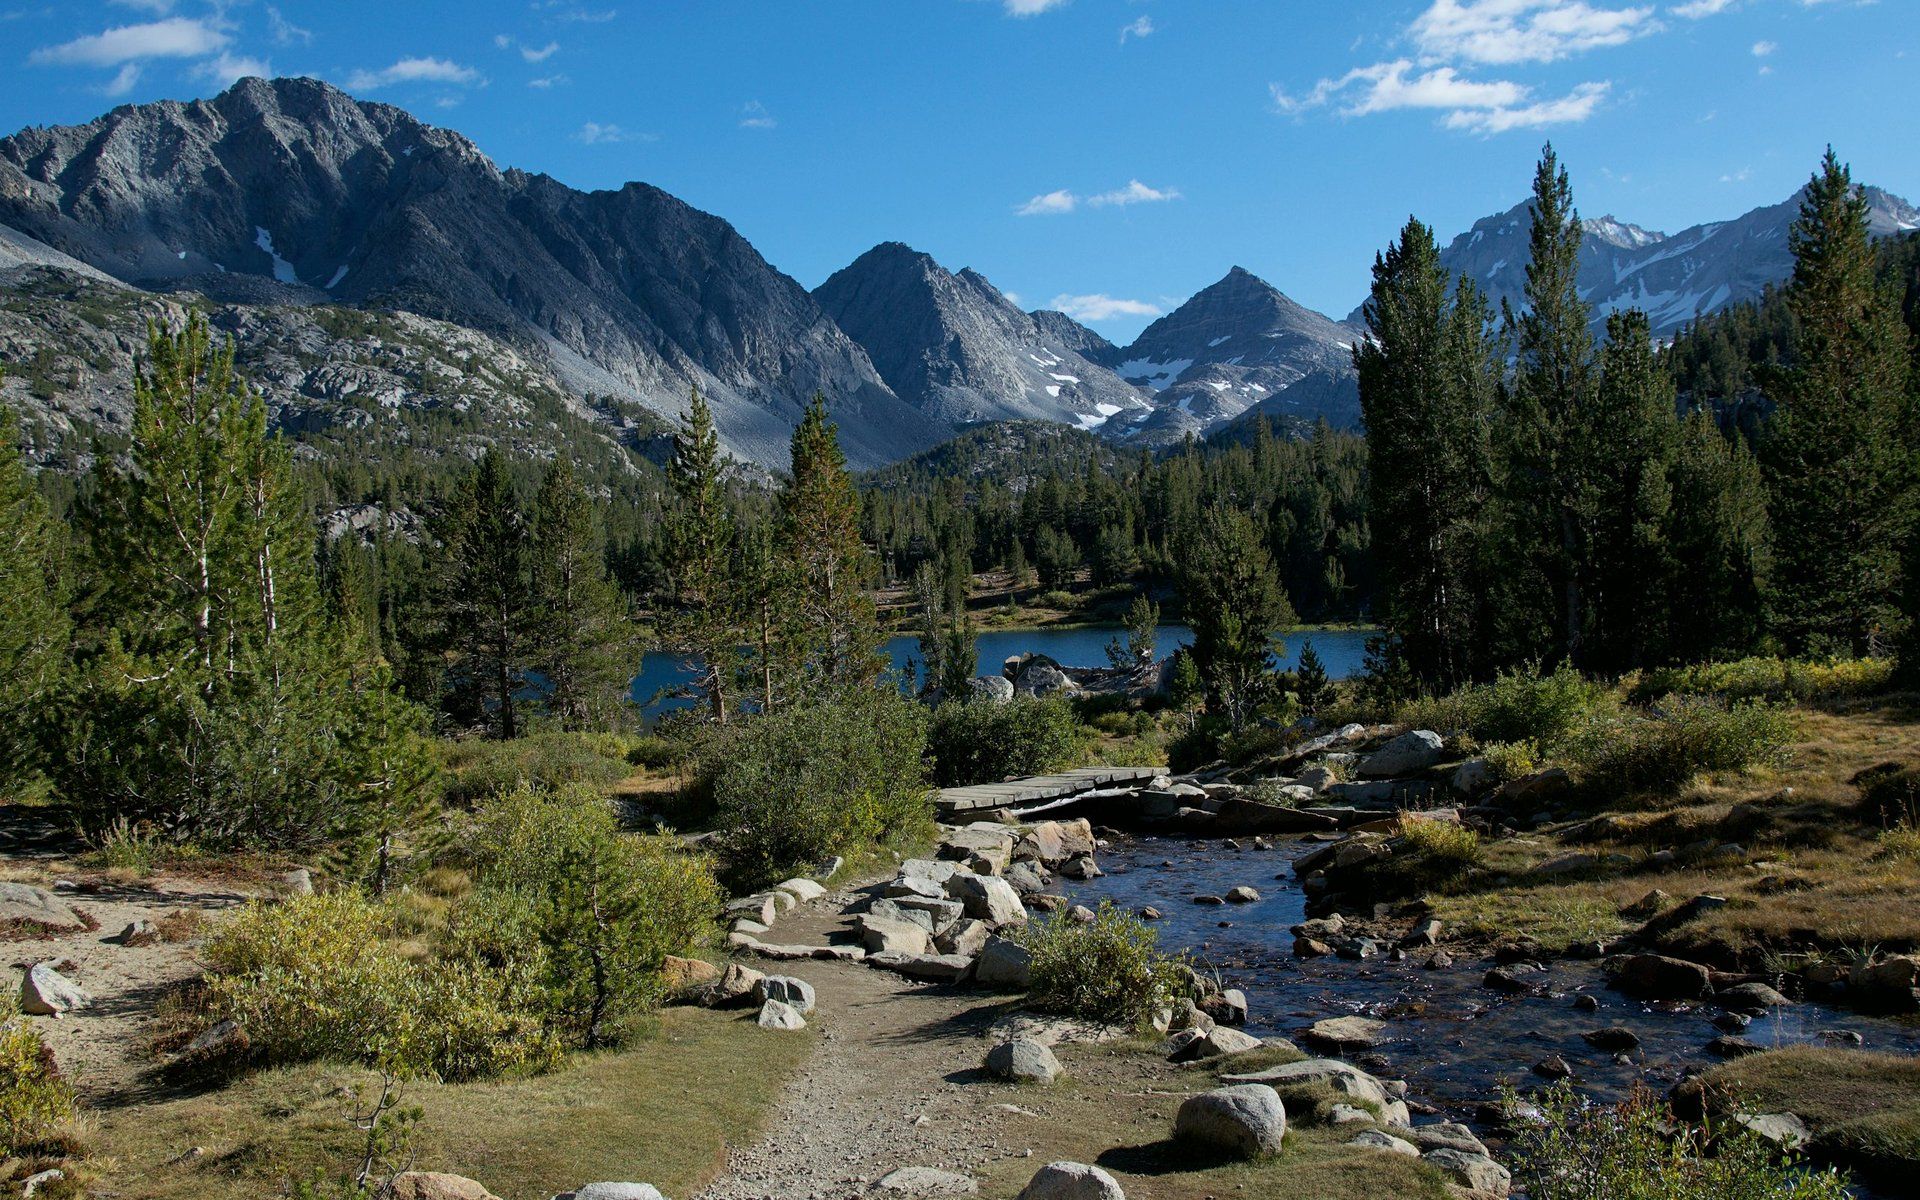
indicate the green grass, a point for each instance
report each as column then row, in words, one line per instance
column 661, row 1111
column 1863, row 1107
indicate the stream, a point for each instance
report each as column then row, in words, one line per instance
column 1454, row 1040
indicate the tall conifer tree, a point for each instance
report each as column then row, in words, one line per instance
column 703, row 620
column 33, row 616
column 832, row 623
column 585, row 645
column 485, row 600
column 1837, row 452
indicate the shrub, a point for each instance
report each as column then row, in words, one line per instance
column 1057, row 598
column 1518, row 706
column 34, row 1100
column 1440, row 842
column 984, row 742
column 1660, row 750
column 319, row 977
column 477, row 768
column 655, row 752
column 1773, row 679
column 1579, row 1150
column 1511, row 760
column 127, row 846
column 1109, row 969
column 811, row 782
column 604, row 908
column 1900, row 842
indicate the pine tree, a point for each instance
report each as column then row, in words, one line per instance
column 1622, row 503
column 586, row 647
column 703, row 620
column 932, row 603
column 33, row 617
column 1837, row 454
column 959, row 659
column 221, row 703
column 1426, row 378
column 1718, row 553
column 1544, row 463
column 831, row 620
column 1311, row 686
column 484, row 599
column 1233, row 602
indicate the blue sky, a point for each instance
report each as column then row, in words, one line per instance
column 1112, row 156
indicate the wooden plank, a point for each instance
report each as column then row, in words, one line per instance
column 1039, row 788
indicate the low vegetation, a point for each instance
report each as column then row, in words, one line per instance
column 985, row 742
column 1107, row 969
column 36, row 1101
column 1580, row 1150
column 1863, row 1107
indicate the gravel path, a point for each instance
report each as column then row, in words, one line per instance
column 895, row 1082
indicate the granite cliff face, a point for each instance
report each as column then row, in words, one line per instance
column 292, row 192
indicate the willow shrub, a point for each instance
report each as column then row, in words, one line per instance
column 1108, row 969
column 34, row 1100
column 1775, row 679
column 1580, row 1150
column 983, row 742
column 818, row 780
column 1657, row 750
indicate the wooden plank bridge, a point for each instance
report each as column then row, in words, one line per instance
column 964, row 802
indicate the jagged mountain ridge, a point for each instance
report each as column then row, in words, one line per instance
column 1236, row 344
column 291, row 191
column 1673, row 278
column 953, row 346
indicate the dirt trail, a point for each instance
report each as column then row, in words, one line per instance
column 103, row 1048
column 895, row 1082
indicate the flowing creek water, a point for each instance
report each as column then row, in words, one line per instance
column 1454, row 1040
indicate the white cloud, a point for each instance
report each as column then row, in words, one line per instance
column 223, row 69
column 1134, row 193
column 1505, row 32
column 1049, row 204
column 413, row 70
column 175, row 37
column 1141, row 26
column 1572, row 108
column 539, row 54
column 1031, row 8
column 502, row 41
column 1762, row 49
column 598, row 135
column 157, row 7
column 1102, row 307
column 754, row 115
column 285, row 32
column 123, row 81
column 548, row 81
column 1702, row 8
column 1740, row 176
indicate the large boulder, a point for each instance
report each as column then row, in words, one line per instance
column 45, row 992
column 437, row 1185
column 736, row 985
column 803, row 891
column 1658, row 977
column 988, row 898
column 1413, row 751
column 1374, row 1139
column 932, row 968
column 1051, row 842
column 1214, row 1043
column 1245, row 1119
column 683, row 974
column 797, row 993
column 1004, row 964
column 1346, row 1033
column 35, row 911
column 613, row 1191
column 1023, row 1060
column 1344, row 1078
column 1043, row 679
column 883, row 936
column 1071, row 1181
column 994, row 689
column 1476, row 1172
column 777, row 1015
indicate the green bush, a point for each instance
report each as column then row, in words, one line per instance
column 1511, row 760
column 1108, row 969
column 1579, row 1150
column 655, row 752
column 1428, row 854
column 1659, row 750
column 478, row 768
column 1774, row 679
column 984, row 742
column 1518, row 706
column 34, row 1100
column 320, row 977
column 807, row 783
column 604, row 908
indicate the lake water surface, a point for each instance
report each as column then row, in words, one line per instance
column 1342, row 650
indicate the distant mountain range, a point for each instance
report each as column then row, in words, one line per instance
column 381, row 274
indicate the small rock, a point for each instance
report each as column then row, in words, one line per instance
column 1341, row 1033
column 1243, row 895
column 1553, row 1067
column 437, row 1185
column 1150, row 913
column 45, row 992
column 1734, row 1047
column 1784, row 1130
column 139, row 932
column 1003, row 964
column 613, row 1191
column 297, row 882
column 1476, row 1171
column 922, row 1183
column 1614, row 1038
column 1208, row 901
column 1374, row 1139
column 1586, row 1003
column 796, row 994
